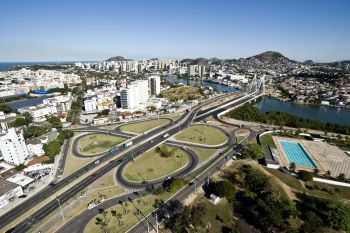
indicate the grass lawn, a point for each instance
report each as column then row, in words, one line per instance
column 203, row 154
column 173, row 117
column 202, row 135
column 151, row 165
column 268, row 140
column 128, row 219
column 182, row 93
column 110, row 127
column 217, row 216
column 144, row 126
column 97, row 143
column 74, row 163
column 315, row 188
column 97, row 190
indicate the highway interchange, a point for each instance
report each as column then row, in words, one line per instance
column 153, row 138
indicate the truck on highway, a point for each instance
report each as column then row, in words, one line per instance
column 127, row 144
column 166, row 135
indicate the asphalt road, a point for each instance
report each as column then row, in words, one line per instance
column 50, row 190
column 78, row 223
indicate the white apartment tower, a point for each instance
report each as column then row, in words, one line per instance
column 90, row 103
column 134, row 95
column 154, row 84
column 192, row 70
column 13, row 149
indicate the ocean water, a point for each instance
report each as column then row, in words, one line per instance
column 4, row 66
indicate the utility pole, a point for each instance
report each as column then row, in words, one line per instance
column 208, row 180
column 157, row 224
column 59, row 204
column 147, row 225
column 195, row 185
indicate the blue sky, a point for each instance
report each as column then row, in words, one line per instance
column 95, row 30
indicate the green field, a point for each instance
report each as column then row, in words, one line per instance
column 201, row 134
column 268, row 140
column 144, row 126
column 318, row 189
column 97, row 143
column 151, row 165
column 128, row 219
column 182, row 93
column 203, row 154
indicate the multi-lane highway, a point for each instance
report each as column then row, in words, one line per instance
column 170, row 128
column 78, row 223
column 155, row 137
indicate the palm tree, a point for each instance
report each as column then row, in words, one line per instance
column 103, row 221
column 125, row 210
column 119, row 216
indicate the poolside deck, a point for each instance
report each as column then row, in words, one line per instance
column 326, row 157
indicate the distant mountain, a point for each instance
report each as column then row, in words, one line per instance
column 271, row 57
column 200, row 61
column 308, row 62
column 117, row 58
column 187, row 60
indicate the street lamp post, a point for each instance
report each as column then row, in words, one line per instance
column 157, row 224
column 59, row 204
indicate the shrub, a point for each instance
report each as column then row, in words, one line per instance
column 305, row 175
column 223, row 189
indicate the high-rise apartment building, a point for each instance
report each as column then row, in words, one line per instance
column 154, row 84
column 192, row 70
column 13, row 149
column 134, row 94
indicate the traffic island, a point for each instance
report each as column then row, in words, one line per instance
column 97, row 143
column 152, row 164
column 143, row 126
column 202, row 134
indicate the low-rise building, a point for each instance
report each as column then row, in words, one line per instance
column 35, row 147
column 39, row 112
column 8, row 191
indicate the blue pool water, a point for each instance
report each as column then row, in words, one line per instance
column 297, row 154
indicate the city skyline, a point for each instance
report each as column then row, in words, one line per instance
column 84, row 31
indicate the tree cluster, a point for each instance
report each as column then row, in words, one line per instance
column 34, row 131
column 25, row 119
column 53, row 148
column 248, row 112
column 260, row 202
column 253, row 151
column 321, row 214
column 165, row 151
column 176, row 184
column 188, row 218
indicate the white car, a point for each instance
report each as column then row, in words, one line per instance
column 91, row 205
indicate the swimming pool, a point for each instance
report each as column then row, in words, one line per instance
column 297, row 154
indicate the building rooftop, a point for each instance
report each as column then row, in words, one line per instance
column 20, row 179
column 6, row 186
